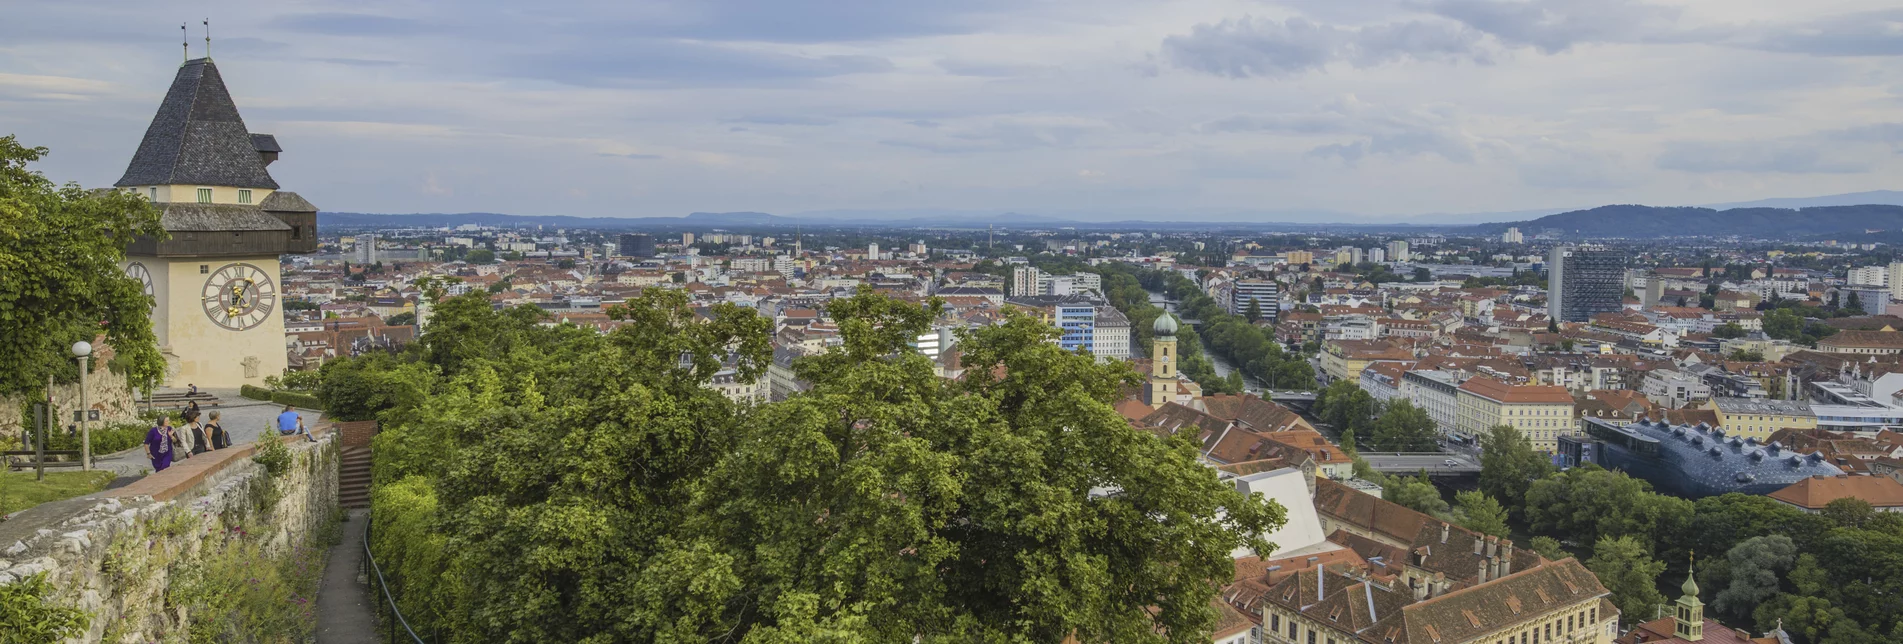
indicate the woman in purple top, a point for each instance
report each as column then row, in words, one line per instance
column 158, row 444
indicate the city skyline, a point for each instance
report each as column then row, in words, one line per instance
column 659, row 109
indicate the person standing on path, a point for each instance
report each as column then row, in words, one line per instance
column 158, row 444
column 215, row 430
column 199, row 444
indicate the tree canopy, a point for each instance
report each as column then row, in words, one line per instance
column 564, row 485
column 60, row 249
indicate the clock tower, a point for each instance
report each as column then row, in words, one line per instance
column 217, row 303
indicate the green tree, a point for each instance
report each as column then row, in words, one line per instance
column 1754, row 568
column 1415, row 492
column 1588, row 503
column 1624, row 568
column 1549, row 548
column 60, row 250
column 1783, row 324
column 1255, row 310
column 1403, row 427
column 481, row 256
column 1853, row 305
column 401, row 319
column 1421, row 274
column 1480, row 513
column 1849, row 512
column 1728, row 330
column 1508, row 465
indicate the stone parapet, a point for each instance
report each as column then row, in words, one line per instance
column 113, row 553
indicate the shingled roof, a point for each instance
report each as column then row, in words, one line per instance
column 197, row 138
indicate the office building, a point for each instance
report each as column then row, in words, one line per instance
column 637, row 245
column 1263, row 291
column 367, row 248
column 1584, row 281
column 1869, row 276
column 1397, row 251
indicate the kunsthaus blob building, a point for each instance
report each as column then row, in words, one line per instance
column 1691, row 461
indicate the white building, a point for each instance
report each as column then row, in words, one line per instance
column 1397, row 251
column 1869, row 276
column 1112, row 339
column 1512, row 236
column 1437, row 392
column 872, row 250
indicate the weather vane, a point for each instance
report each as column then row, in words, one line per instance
column 207, row 38
column 185, row 40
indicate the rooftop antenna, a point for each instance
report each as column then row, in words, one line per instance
column 207, row 39
column 185, row 40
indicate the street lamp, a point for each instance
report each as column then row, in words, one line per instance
column 81, row 350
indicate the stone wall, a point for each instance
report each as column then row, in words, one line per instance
column 113, row 554
column 106, row 391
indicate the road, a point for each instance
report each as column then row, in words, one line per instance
column 1433, row 462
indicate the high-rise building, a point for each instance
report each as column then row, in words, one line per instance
column 687, row 239
column 1512, row 236
column 1262, row 291
column 367, row 248
column 918, row 248
column 1397, row 250
column 872, row 250
column 1896, row 280
column 1299, row 257
column 1869, row 276
column 637, row 245
column 1584, row 281
column 1377, row 255
column 214, row 280
column 1027, row 280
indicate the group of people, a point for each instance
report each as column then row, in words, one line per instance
column 164, row 442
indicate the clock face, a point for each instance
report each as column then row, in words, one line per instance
column 239, row 296
column 138, row 271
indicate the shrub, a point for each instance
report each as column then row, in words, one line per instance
column 294, row 399
column 254, row 393
column 28, row 614
column 107, row 439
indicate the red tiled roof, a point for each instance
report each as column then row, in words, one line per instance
column 1815, row 492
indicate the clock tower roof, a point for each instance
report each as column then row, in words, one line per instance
column 197, row 138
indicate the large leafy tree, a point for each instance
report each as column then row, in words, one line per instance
column 1622, row 565
column 60, row 281
column 1480, row 513
column 1508, row 465
column 1589, row 503
column 1404, row 427
column 1754, row 568
column 591, row 488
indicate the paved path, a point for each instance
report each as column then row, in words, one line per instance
column 244, row 418
column 345, row 613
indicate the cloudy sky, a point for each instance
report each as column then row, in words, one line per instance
column 662, row 107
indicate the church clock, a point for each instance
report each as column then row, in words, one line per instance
column 239, row 296
column 138, row 271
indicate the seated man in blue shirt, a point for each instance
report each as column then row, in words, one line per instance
column 290, row 423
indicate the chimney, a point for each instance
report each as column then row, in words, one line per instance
column 1420, row 589
column 1480, row 576
column 1506, row 557
column 1477, row 545
column 1439, row 585
column 1493, row 546
column 1443, row 533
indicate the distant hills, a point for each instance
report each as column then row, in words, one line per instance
column 1632, row 221
column 1827, row 215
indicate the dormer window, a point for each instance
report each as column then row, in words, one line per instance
column 204, row 195
column 244, row 196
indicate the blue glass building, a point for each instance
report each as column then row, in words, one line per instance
column 1691, row 461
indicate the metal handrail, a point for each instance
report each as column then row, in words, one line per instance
column 384, row 585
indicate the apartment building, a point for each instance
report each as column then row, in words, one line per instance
column 1541, row 413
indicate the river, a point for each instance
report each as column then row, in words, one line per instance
column 1216, row 360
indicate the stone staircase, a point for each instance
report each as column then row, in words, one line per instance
column 353, row 478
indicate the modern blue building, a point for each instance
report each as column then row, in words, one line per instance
column 1690, row 461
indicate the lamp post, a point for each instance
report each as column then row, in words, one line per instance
column 81, row 350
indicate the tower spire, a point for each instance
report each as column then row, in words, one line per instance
column 208, row 38
column 1689, row 613
column 185, row 40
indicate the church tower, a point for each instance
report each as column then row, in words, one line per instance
column 214, row 282
column 1162, row 362
column 1690, row 613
